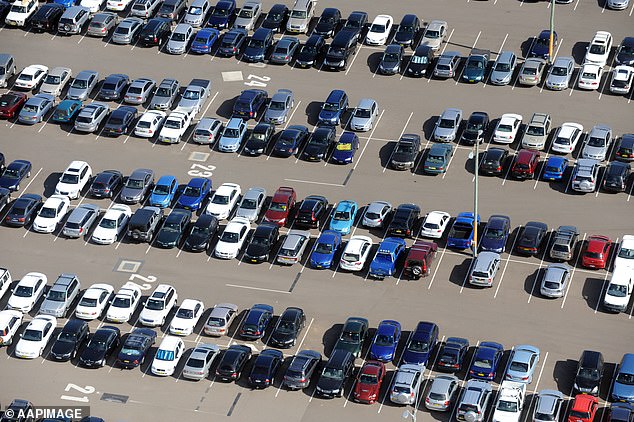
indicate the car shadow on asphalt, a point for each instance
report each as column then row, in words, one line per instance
column 592, row 293
column 373, row 61
column 564, row 374
column 579, row 52
column 428, row 127
column 459, row 272
column 50, row 183
column 225, row 109
column 385, row 153
column 312, row 112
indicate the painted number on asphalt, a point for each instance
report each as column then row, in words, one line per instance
column 146, row 280
column 88, row 389
column 201, row 170
column 259, row 81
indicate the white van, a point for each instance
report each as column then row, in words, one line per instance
column 617, row 295
column 5, row 281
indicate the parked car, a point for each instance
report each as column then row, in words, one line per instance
column 320, row 144
column 232, row 42
column 447, row 125
column 532, row 71
column 494, row 161
column 525, row 164
column 555, row 168
column 406, row 384
column 326, row 247
column 452, row 355
column 276, row 18
column 336, row 372
column 419, row 259
column 36, row 109
column 301, row 369
column 368, row 383
column 406, row 152
column 279, row 108
column 70, row 339
column 201, row 234
column 555, row 280
column 353, row 335
column 616, row 176
column 101, row 345
column 136, row 347
column 389, row 253
column 486, row 360
column 288, row 327
column 531, row 238
column 442, row 393
column 284, row 50
column 540, row 46
column 256, row 322
column 233, row 362
column 560, row 73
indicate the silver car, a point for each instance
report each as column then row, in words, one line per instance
column 522, row 363
column 537, row 131
column 102, row 23
column 165, row 94
column 618, row 4
column 82, row 85
column 249, row 15
column 442, row 393
column 180, row 39
column 364, row 115
column 447, row 65
column 585, row 175
column 137, row 186
column 555, row 280
column 293, row 247
column 207, row 130
column 560, row 73
column 220, row 319
column 279, row 107
column 447, row 125
column 549, row 405
column 199, row 361
column 197, row 13
column 36, row 108
column 376, row 213
column 406, row 384
column 127, row 31
column 532, row 71
column 80, row 220
column 252, row 203
column 503, row 68
column 56, row 81
column 144, row 8
column 91, row 116
column 139, row 91
column 434, row 34
column 598, row 143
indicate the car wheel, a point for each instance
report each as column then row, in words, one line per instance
column 417, row 271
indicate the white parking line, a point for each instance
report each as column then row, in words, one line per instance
column 607, row 75
column 398, row 362
column 539, row 377
column 572, row 274
column 446, row 42
column 574, row 84
column 352, row 61
column 471, row 261
column 466, row 375
column 437, row 267
column 365, row 356
column 576, row 4
column 448, row 164
column 506, row 264
column 541, row 172
column 399, row 137
column 508, row 170
column 46, row 121
column 354, row 229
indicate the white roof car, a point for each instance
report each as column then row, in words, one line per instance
column 224, row 200
column 232, row 238
column 35, row 337
column 625, row 255
column 93, row 5
column 31, row 76
column 599, row 48
column 356, row 253
column 112, row 224
column 124, row 303
column 149, row 123
column 621, row 81
column 74, row 179
column 434, row 224
column 379, row 30
column 590, row 76
column 94, row 301
column 167, row 356
column 27, row 292
column 376, row 213
column 10, row 321
column 117, row 5
column 20, row 12
column 186, row 317
column 158, row 306
column 434, row 34
column 51, row 214
column 174, row 126
column 507, row 128
column 567, row 137
column 220, row 319
column 55, row 81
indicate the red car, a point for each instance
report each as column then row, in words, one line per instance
column 583, row 408
column 11, row 103
column 368, row 385
column 595, row 254
column 419, row 259
column 525, row 164
column 281, row 205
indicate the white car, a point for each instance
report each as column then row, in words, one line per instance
column 20, row 12
column 158, row 306
column 27, row 292
column 220, row 319
column 93, row 5
column 55, row 81
column 356, row 253
column 625, row 255
column 507, row 128
column 117, row 5
column 94, row 301
column 174, row 127
column 31, row 76
column 10, row 321
column 124, row 303
column 35, row 337
column 622, row 78
column 379, row 30
column 167, row 356
column 232, row 238
column 224, row 200
column 599, row 48
column 590, row 76
column 150, row 123
column 51, row 214
column 434, row 224
column 74, row 179
column 567, row 137
column 186, row 317
column 112, row 225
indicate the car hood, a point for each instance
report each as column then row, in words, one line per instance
column 324, row 27
column 359, row 121
column 442, row 131
column 45, row 222
column 400, row 37
column 66, row 187
column 588, row 149
column 49, row 88
column 6, row 182
column 255, row 144
column 164, row 365
column 93, row 355
column 432, row 43
column 366, row 390
column 226, row 141
column 51, row 306
column 586, row 383
column 329, row 384
column 168, row 237
column 176, row 44
column 196, row 240
column 623, row 392
column 315, row 149
column 388, row 63
column 127, row 192
column 256, row 250
column 61, row 348
column 321, row 258
column 118, row 313
column 556, row 79
column 339, row 225
column 218, row 20
column 500, row 76
column 27, row 347
column 130, row 357
column 227, row 248
column 168, row 131
column 353, row 348
column 382, row 352
column 282, row 337
column 159, row 101
column 403, row 157
column 306, row 56
column 103, row 233
column 76, row 92
column 19, row 302
column 472, row 72
column 160, row 199
column 342, row 155
column 410, row 356
column 328, row 115
column 495, row 245
column 247, row 213
column 274, row 114
column 189, row 201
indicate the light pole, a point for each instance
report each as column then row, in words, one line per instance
column 552, row 30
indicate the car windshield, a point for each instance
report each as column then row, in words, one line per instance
column 71, row 179
column 519, row 366
column 171, row 225
column 155, row 305
column 298, row 14
column 350, row 257
column 52, row 79
column 163, row 92
column 342, row 215
column 201, row 231
column 185, row 313
column 577, row 415
column 48, row 212
column 596, row 142
column 474, row 64
column 230, row 237
column 626, row 253
column 245, row 13
column 624, row 378
column 391, row 57
column 130, row 352
column 502, row 67
column 331, row 106
column 163, row 354
column 161, row 189
column 122, row 30
column 617, row 290
column 259, row 241
column 286, row 327
column 332, row 373
column 432, row 34
column 363, row 113
column 108, row 223
column 277, row 105
column 419, row 346
column 56, row 296
column 435, row 159
column 309, row 49
column 544, row 416
column 597, row 49
column 220, row 199
column 32, row 335
column 66, row 337
column 96, row 344
column 121, row 302
column 505, row 128
column 79, row 84
column 23, row 291
column 535, row 131
column 255, row 43
column 88, row 302
column 18, row 9
column 179, row 36
column 507, row 406
column 446, row 124
column 325, row 248
column 282, row 207
column 494, row 233
column 483, row 363
column 474, row 125
column 191, row 95
column 369, row 379
column 249, row 204
column 589, row 373
column 559, row 71
column 134, row 183
column 195, row 10
column 30, row 108
column 221, row 12
column 190, row 191
column 384, row 340
column 11, row 174
column 377, row 28
column 530, row 71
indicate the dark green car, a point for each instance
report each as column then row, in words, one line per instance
column 438, row 158
column 353, row 335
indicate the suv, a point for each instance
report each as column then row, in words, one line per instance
column 406, row 383
column 484, row 269
column 73, row 21
column 585, row 175
column 476, row 129
column 61, row 295
column 144, row 223
column 525, row 164
column 333, row 378
column 74, row 179
column 158, row 306
column 293, row 247
column 407, row 149
column 474, row 401
column 447, row 65
column 310, row 212
column 281, row 204
column 144, row 8
column 599, row 48
column 342, row 47
column 589, row 372
column 563, row 246
column 301, row 369
column 537, row 131
column 333, row 108
column 172, row 9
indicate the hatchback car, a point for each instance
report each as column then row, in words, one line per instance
column 114, row 85
column 442, row 393
column 453, row 353
column 36, row 109
column 365, row 115
column 549, row 406
column 598, row 143
column 494, row 161
column 531, row 238
column 560, row 73
column 447, row 125
column 522, row 363
column 555, row 280
column 127, row 31
column 406, row 384
column 391, row 60
column 616, row 176
column 232, row 42
column 301, row 369
column 503, row 68
column 447, row 65
column 406, row 152
column 233, row 362
column 256, row 322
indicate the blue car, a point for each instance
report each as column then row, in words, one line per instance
column 256, row 321
column 136, row 347
column 496, row 233
column 205, row 40
column 194, row 194
column 345, row 148
column 333, row 108
column 327, row 246
column 258, row 46
column 421, row 343
column 14, row 173
column 555, row 168
column 385, row 341
column 344, row 216
column 623, row 386
column 66, row 3
column 66, row 111
column 486, row 360
column 222, row 14
column 249, row 103
column 164, row 191
column 384, row 262
column 541, row 44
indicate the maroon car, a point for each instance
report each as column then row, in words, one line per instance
column 368, row 385
column 11, row 103
column 419, row 259
column 281, row 205
column 525, row 164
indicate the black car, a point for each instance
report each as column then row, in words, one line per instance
column 232, row 42
column 452, row 355
column 476, row 128
column 290, row 140
column 258, row 46
column 23, row 210
column 46, row 18
column 262, row 242
column 203, row 230
column 311, row 51
column 265, row 368
column 113, row 87
column 341, row 49
column 616, row 176
column 320, row 143
column 106, row 183
column 288, row 327
column 531, row 238
column 136, row 347
column 328, row 23
column 420, row 63
column 356, row 23
column 259, row 138
column 405, row 152
column 16, row 408
column 625, row 53
column 276, row 18
column 144, row 223
column 14, row 174
column 69, row 340
column 589, row 372
column 404, row 220
column 233, row 361
column 312, row 209
column 120, row 121
column 249, row 104
column 174, row 228
column 155, row 32
column 338, row 369
column 407, row 31
column 172, row 9
column 5, row 7
column 621, row 412
column 390, row 63
column 494, row 161
column 301, row 369
column 5, row 197
column 100, row 346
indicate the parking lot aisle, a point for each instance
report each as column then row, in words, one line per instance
column 506, row 264
column 541, row 264
column 472, row 47
column 572, row 274
column 387, row 164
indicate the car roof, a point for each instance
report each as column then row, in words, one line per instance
column 73, row 325
column 525, row 156
column 435, row 25
column 170, row 342
column 392, row 48
column 335, row 95
column 505, row 56
column 451, row 113
column 338, row 357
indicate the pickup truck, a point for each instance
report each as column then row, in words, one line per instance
column 563, row 246
column 143, row 223
column 461, row 232
column 195, row 96
column 175, row 126
column 510, row 401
